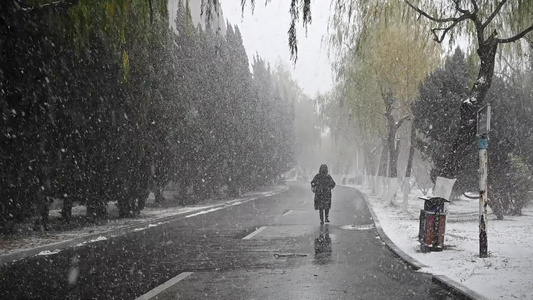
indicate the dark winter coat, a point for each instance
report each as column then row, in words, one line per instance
column 322, row 184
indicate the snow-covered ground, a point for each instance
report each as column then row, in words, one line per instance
column 508, row 271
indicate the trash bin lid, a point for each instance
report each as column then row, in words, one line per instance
column 433, row 199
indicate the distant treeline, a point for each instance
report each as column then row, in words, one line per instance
column 100, row 101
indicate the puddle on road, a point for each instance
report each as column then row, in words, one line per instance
column 357, row 227
column 282, row 255
column 286, row 231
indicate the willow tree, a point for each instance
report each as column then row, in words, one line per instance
column 358, row 109
column 387, row 59
column 488, row 25
column 383, row 75
column 337, row 115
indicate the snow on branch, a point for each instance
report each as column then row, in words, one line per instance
column 470, row 100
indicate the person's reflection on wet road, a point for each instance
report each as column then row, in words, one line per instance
column 323, row 246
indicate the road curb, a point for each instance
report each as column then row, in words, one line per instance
column 453, row 286
column 62, row 245
column 458, row 289
column 415, row 264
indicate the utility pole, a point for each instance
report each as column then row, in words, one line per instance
column 483, row 128
column 483, row 174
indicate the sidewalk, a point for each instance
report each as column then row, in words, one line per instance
column 51, row 242
column 506, row 274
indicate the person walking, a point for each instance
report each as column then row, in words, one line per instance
column 321, row 185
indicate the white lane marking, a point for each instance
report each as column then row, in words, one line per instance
column 149, row 226
column 226, row 205
column 251, row 235
column 164, row 286
column 48, row 252
column 233, row 203
column 205, row 211
column 287, row 212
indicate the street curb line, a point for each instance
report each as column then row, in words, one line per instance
column 452, row 285
column 62, row 245
column 415, row 264
column 459, row 289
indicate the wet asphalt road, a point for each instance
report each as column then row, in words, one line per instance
column 292, row 257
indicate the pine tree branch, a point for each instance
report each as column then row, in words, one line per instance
column 516, row 37
column 494, row 13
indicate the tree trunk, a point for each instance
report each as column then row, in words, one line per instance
column 391, row 135
column 96, row 211
column 43, row 211
column 407, row 178
column 369, row 162
column 393, row 156
column 66, row 211
column 382, row 167
column 465, row 138
column 158, row 192
column 411, row 152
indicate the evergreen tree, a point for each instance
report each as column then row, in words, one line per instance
column 437, row 118
column 436, row 115
column 90, row 117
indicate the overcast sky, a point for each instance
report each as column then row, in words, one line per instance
column 265, row 32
